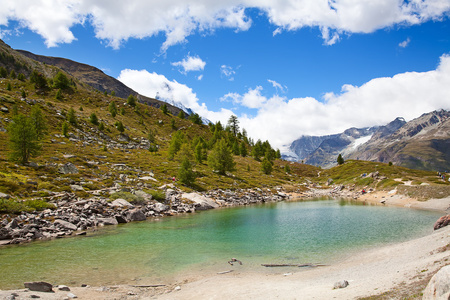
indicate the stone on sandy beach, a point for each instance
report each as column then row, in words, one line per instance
column 442, row 222
column 340, row 284
column 439, row 285
column 39, row 286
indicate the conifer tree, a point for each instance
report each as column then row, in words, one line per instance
column 233, row 123
column 120, row 126
column 198, row 153
column 38, row 121
column 112, row 108
column 185, row 174
column 60, row 81
column 65, row 128
column 131, row 100
column 93, row 119
column 175, row 144
column 196, row 119
column 71, row 117
column 236, row 148
column 220, row 159
column 266, row 166
column 182, row 114
column 243, row 149
column 23, row 140
column 340, row 160
column 164, row 109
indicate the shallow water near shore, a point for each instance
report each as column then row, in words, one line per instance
column 158, row 251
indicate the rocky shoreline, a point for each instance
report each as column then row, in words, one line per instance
column 76, row 216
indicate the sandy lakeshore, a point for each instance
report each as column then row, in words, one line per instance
column 371, row 272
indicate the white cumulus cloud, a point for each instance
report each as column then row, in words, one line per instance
column 405, row 43
column 228, row 72
column 190, row 63
column 153, row 84
column 376, row 102
column 281, row 120
column 115, row 21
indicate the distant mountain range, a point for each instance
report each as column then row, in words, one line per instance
column 423, row 143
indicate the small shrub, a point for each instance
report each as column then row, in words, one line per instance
column 38, row 204
column 11, row 206
column 93, row 119
column 47, row 186
column 133, row 199
column 158, row 195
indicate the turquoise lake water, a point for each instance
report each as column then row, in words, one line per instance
column 157, row 251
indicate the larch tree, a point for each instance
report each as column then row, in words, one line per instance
column 221, row 159
column 23, row 140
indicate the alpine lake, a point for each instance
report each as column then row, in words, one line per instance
column 159, row 251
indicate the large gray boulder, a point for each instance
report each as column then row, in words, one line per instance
column 439, row 286
column 108, row 221
column 201, row 202
column 68, row 168
column 136, row 215
column 121, row 203
column 442, row 222
column 340, row 284
column 39, row 286
column 160, row 207
column 66, row 225
column 3, row 195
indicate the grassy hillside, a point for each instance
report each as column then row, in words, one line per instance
column 106, row 157
column 86, row 146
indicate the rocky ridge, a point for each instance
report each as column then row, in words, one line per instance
column 422, row 143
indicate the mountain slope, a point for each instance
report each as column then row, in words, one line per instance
column 97, row 79
column 323, row 150
column 423, row 143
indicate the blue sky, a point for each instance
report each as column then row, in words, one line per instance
column 285, row 68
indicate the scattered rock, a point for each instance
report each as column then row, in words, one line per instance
column 340, row 284
column 76, row 188
column 5, row 196
column 159, row 207
column 68, row 168
column 442, row 222
column 439, row 285
column 39, row 286
column 71, row 295
column 64, row 288
column 121, row 203
column 136, row 215
column 108, row 221
column 121, row 219
column 202, row 202
column 66, row 225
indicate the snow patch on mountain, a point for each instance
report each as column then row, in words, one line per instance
column 360, row 141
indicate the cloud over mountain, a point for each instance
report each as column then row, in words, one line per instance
column 283, row 120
